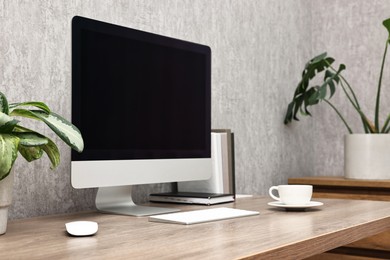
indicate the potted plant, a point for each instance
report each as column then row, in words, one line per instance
column 15, row 139
column 366, row 155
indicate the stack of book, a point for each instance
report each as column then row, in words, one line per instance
column 220, row 187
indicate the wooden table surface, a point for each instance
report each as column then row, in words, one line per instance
column 274, row 234
column 341, row 188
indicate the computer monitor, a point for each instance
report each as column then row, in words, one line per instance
column 142, row 102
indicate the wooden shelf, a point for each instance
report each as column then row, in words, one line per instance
column 341, row 182
column 341, row 188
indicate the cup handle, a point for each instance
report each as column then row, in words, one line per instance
column 271, row 194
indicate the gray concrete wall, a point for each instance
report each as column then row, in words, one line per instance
column 353, row 34
column 259, row 48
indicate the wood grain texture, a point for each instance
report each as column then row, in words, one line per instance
column 341, row 188
column 330, row 256
column 340, row 181
column 274, row 234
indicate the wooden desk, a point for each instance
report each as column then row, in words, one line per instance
column 274, row 234
column 341, row 188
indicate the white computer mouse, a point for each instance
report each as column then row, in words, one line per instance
column 81, row 228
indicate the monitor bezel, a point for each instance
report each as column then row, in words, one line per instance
column 115, row 177
column 81, row 23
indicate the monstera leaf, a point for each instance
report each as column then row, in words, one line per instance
column 306, row 95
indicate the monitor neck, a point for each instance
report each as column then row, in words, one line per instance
column 118, row 200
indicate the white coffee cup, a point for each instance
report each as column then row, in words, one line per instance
column 292, row 194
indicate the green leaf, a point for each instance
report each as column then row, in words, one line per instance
column 3, row 104
column 289, row 113
column 318, row 58
column 306, row 95
column 50, row 148
column 313, row 97
column 341, row 68
column 52, row 152
column 8, row 153
column 21, row 129
column 297, row 104
column 36, row 104
column 64, row 129
column 332, row 79
column 385, row 124
column 386, row 23
column 316, row 65
column 332, row 87
column 322, row 92
column 30, row 153
column 31, row 139
column 7, row 123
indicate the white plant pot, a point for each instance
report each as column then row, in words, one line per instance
column 6, row 188
column 367, row 156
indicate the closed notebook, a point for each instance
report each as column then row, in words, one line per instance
column 192, row 197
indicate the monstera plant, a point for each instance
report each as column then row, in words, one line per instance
column 306, row 95
column 15, row 138
column 365, row 155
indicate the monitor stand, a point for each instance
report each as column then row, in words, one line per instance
column 118, row 200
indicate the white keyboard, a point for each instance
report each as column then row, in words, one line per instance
column 203, row 215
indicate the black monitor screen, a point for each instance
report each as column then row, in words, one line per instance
column 137, row 95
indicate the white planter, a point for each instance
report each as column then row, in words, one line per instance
column 367, row 156
column 6, row 188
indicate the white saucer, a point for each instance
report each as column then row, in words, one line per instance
column 296, row 207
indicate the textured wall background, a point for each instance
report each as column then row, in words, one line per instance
column 259, row 49
column 352, row 33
